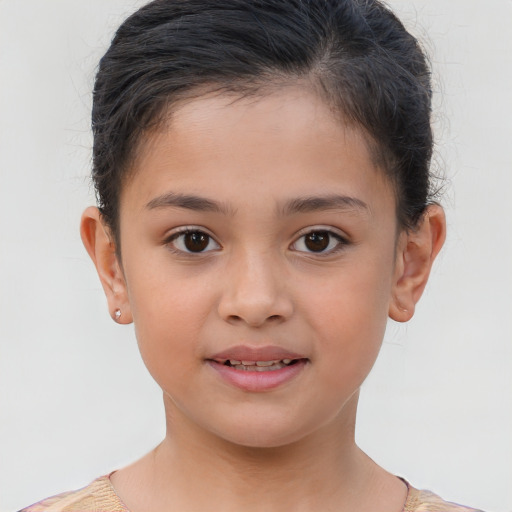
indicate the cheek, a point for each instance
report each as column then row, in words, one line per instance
column 162, row 295
column 349, row 318
column 169, row 316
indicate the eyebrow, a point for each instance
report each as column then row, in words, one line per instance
column 329, row 202
column 296, row 205
column 189, row 202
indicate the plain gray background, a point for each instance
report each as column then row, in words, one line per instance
column 75, row 399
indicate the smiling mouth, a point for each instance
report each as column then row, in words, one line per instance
column 259, row 366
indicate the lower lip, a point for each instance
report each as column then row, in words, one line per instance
column 258, row 381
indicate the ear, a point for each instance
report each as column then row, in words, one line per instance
column 416, row 252
column 98, row 241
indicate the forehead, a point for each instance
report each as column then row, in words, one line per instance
column 286, row 142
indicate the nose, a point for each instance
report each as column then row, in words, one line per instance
column 255, row 292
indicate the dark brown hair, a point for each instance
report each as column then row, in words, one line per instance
column 356, row 53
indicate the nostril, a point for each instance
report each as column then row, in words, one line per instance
column 254, row 310
column 256, row 321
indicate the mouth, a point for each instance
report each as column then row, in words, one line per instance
column 258, row 369
column 258, row 366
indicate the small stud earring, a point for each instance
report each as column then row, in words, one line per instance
column 117, row 314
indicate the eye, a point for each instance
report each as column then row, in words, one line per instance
column 319, row 241
column 192, row 241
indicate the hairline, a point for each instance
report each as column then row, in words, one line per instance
column 252, row 87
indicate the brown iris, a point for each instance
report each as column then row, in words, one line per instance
column 317, row 241
column 196, row 241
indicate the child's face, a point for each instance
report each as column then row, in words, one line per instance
column 290, row 251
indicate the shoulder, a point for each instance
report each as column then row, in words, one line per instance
column 426, row 501
column 99, row 496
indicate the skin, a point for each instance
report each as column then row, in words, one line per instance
column 258, row 283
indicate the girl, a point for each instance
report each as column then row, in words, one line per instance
column 265, row 204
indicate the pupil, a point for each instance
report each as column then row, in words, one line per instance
column 196, row 241
column 317, row 241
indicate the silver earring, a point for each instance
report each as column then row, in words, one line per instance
column 117, row 314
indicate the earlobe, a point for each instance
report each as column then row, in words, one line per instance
column 416, row 252
column 98, row 242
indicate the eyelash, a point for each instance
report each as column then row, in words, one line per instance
column 341, row 242
column 170, row 241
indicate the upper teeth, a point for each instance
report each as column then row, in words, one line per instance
column 235, row 362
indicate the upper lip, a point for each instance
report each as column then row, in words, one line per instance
column 248, row 353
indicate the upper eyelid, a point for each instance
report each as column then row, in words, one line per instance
column 188, row 229
column 169, row 241
column 329, row 229
column 342, row 241
column 169, row 238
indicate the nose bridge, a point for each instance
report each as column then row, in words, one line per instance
column 255, row 288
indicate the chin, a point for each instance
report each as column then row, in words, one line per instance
column 262, row 441
column 265, row 434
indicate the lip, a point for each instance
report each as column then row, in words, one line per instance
column 248, row 353
column 253, row 381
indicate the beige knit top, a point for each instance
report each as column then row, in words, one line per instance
column 100, row 496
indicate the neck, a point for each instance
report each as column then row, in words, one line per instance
column 327, row 459
column 196, row 470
